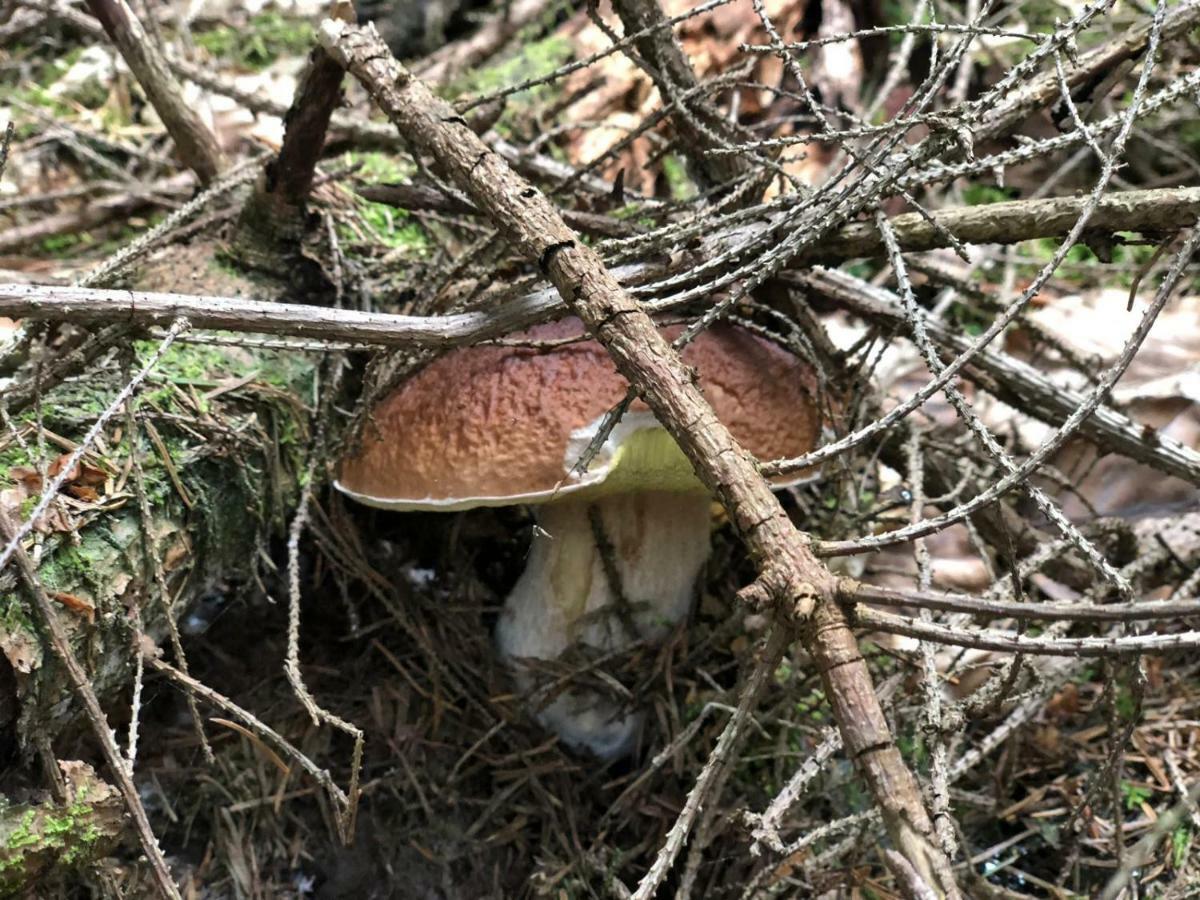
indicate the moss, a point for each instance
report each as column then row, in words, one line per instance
column 13, row 615
column 1181, row 839
column 201, row 364
column 13, row 455
column 533, row 57
column 72, row 831
column 258, row 44
column 377, row 167
column 530, row 60
column 194, row 363
column 983, row 194
column 129, row 230
column 969, row 319
column 60, row 245
column 678, row 181
column 72, row 567
column 24, row 835
column 224, row 477
column 27, row 507
column 395, row 228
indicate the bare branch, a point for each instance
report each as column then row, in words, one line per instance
column 195, row 142
column 1146, row 611
column 532, row 225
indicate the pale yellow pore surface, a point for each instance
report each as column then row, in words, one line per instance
column 490, row 425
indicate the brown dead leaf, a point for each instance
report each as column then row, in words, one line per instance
column 176, row 554
column 90, row 475
column 83, row 492
column 1154, row 672
column 81, row 473
column 76, row 604
column 82, row 782
column 1048, row 740
column 27, row 477
column 1065, row 703
column 55, row 469
column 55, row 519
column 615, row 95
column 22, row 649
column 12, row 498
column 119, row 582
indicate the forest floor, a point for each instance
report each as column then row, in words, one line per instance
column 462, row 794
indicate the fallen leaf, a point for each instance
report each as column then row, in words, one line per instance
column 27, row 477
column 83, row 492
column 75, row 604
column 175, row 555
column 90, row 475
column 22, row 649
column 60, row 463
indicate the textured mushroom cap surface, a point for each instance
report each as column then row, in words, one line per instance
column 493, row 425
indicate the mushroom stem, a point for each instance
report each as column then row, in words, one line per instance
column 655, row 544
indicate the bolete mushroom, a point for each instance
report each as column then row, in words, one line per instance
column 503, row 425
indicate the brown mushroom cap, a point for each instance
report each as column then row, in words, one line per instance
column 498, row 425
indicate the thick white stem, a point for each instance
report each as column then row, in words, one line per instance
column 659, row 543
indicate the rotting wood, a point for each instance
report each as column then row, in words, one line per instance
column 82, row 689
column 796, row 583
column 273, row 221
column 63, row 833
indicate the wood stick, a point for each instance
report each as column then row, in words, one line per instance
column 195, row 142
column 791, row 579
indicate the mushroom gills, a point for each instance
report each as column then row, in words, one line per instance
column 659, row 541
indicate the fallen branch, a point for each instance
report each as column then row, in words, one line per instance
column 1163, row 210
column 195, row 142
column 93, row 213
column 699, row 124
column 1013, row 642
column 1158, row 211
column 798, row 584
column 273, row 220
column 1012, row 380
column 1148, row 611
column 1007, row 377
column 136, row 308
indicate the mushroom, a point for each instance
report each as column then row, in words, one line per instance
column 503, row 425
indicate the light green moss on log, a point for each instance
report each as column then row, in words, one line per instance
column 239, row 489
column 43, row 840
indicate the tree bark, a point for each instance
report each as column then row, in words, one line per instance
column 274, row 220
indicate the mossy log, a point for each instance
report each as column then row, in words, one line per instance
column 220, row 434
column 58, row 836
